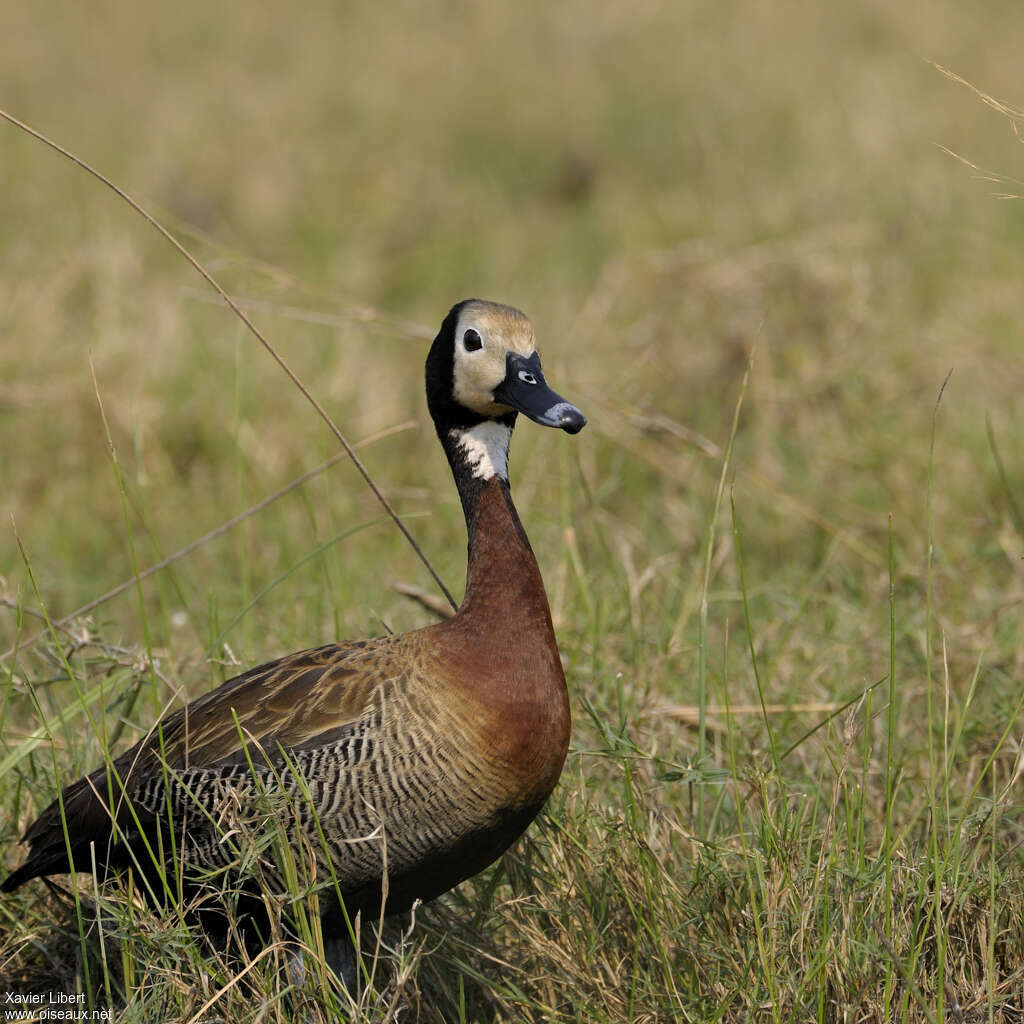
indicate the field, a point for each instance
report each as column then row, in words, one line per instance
column 785, row 558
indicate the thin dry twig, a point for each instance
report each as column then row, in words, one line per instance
column 690, row 713
column 429, row 601
column 1014, row 113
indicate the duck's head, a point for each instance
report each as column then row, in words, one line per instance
column 484, row 367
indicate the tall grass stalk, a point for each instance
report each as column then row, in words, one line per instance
column 938, row 813
column 890, row 777
column 708, row 557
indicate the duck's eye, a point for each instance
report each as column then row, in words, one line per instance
column 526, row 377
column 472, row 341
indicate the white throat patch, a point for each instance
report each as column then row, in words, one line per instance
column 486, row 448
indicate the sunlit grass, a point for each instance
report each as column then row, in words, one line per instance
column 796, row 669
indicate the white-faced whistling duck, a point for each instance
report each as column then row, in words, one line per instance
column 420, row 756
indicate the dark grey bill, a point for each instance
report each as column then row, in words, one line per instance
column 525, row 389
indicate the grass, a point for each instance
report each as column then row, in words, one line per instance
column 792, row 625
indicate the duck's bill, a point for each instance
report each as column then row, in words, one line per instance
column 525, row 390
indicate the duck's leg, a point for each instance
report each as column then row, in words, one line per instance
column 341, row 958
column 296, row 966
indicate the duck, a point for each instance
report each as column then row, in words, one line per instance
column 394, row 768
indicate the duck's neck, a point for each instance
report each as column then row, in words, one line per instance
column 500, row 647
column 502, row 575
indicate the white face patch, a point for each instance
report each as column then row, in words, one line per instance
column 486, row 448
column 484, row 335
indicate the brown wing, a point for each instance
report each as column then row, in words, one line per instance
column 293, row 702
column 303, row 700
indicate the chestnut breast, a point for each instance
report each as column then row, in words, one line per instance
column 500, row 658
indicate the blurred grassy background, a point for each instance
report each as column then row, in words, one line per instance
column 659, row 186
column 656, row 186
